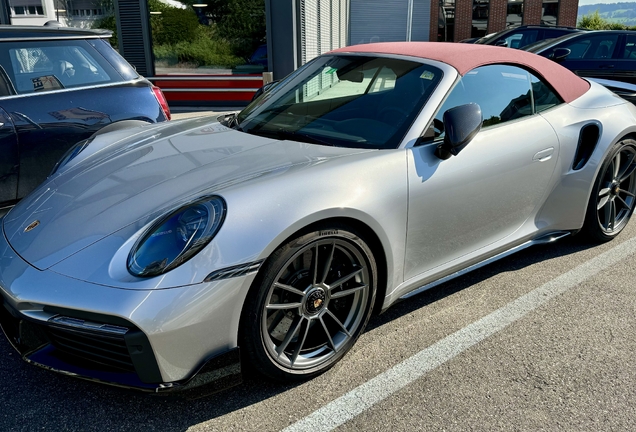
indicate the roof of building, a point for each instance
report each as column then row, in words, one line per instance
column 465, row 57
column 42, row 32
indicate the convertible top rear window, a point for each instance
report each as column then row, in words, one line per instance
column 344, row 100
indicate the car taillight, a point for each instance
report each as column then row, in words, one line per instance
column 162, row 101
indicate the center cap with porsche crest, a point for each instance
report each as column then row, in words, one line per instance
column 315, row 301
column 32, row 226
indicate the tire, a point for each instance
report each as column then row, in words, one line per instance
column 300, row 318
column 613, row 196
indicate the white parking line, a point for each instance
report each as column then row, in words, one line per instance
column 384, row 385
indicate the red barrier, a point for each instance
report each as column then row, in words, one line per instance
column 208, row 89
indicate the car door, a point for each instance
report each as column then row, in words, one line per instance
column 486, row 192
column 624, row 65
column 593, row 55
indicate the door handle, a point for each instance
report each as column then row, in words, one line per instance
column 543, row 155
column 606, row 67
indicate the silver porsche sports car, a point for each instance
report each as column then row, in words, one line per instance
column 151, row 256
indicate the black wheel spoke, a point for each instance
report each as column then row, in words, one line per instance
column 344, row 329
column 289, row 288
column 616, row 164
column 314, row 270
column 329, row 340
column 293, row 329
column 627, row 206
column 628, row 193
column 327, row 266
column 630, row 165
column 344, row 279
column 612, row 215
column 278, row 317
column 304, row 329
column 278, row 306
column 347, row 292
column 607, row 211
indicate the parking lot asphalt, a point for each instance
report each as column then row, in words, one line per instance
column 542, row 340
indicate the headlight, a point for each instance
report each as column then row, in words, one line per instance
column 71, row 154
column 177, row 237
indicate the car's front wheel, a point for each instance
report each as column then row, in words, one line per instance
column 614, row 193
column 309, row 303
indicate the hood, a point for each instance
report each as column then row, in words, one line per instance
column 156, row 170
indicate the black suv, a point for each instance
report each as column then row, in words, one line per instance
column 604, row 54
column 519, row 37
column 58, row 86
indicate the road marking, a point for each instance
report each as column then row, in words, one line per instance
column 399, row 376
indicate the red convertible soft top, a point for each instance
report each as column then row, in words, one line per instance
column 465, row 57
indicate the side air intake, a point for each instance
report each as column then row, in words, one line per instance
column 588, row 139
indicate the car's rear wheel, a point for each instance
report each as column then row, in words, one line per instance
column 309, row 303
column 614, row 194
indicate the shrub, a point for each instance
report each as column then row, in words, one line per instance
column 174, row 26
column 108, row 23
column 206, row 50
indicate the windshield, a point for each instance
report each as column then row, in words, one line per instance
column 344, row 101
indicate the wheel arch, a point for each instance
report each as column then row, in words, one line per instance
column 370, row 236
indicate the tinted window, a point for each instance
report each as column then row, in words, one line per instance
column 630, row 47
column 593, row 47
column 53, row 65
column 544, row 97
column 502, row 92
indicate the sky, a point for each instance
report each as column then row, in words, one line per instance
column 589, row 2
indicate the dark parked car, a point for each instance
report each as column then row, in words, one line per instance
column 58, row 86
column 519, row 37
column 604, row 54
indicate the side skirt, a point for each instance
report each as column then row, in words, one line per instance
column 548, row 238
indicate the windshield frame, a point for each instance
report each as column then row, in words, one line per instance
column 296, row 80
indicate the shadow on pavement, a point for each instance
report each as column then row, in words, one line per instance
column 33, row 397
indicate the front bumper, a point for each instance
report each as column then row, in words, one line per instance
column 152, row 340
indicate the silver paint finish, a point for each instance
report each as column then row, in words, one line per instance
column 496, row 178
column 510, row 186
column 204, row 315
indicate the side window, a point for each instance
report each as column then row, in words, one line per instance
column 594, row 47
column 45, row 66
column 544, row 97
column 511, row 99
column 629, row 53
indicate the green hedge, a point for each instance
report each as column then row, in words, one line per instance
column 594, row 21
column 205, row 50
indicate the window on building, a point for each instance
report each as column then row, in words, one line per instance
column 550, row 12
column 514, row 16
column 26, row 7
column 480, row 18
column 446, row 21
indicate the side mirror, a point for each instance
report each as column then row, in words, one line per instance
column 461, row 124
column 267, row 87
column 559, row 54
column 501, row 43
